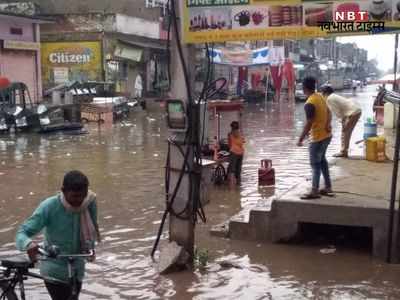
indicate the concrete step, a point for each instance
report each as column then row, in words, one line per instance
column 249, row 224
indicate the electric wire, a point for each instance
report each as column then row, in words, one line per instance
column 194, row 207
column 188, row 137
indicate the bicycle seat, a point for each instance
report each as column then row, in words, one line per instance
column 21, row 262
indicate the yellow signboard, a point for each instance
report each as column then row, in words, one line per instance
column 245, row 20
column 71, row 61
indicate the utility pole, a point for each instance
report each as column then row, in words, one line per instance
column 396, row 46
column 181, row 230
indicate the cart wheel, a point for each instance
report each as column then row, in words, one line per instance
column 219, row 175
column 84, row 120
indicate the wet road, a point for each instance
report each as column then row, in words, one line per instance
column 125, row 167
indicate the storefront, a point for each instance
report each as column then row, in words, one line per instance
column 20, row 51
column 117, row 50
column 64, row 62
column 130, row 62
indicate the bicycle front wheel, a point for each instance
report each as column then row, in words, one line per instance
column 6, row 293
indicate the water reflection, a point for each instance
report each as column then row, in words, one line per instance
column 125, row 167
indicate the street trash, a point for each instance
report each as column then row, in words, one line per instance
column 225, row 264
column 329, row 250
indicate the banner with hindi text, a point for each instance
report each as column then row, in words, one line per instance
column 246, row 20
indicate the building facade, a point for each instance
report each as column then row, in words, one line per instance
column 20, row 58
column 105, row 47
column 145, row 9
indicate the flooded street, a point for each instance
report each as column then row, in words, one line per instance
column 125, row 163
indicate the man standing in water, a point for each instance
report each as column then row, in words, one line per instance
column 318, row 126
column 69, row 221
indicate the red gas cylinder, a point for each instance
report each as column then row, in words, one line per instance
column 4, row 82
column 266, row 174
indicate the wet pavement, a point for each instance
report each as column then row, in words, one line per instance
column 125, row 166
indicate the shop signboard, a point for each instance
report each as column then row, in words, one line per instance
column 71, row 61
column 61, row 74
column 21, row 45
column 239, row 20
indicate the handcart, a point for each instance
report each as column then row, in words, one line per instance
column 221, row 113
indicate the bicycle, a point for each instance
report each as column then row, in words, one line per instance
column 15, row 270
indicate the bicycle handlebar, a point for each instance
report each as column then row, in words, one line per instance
column 54, row 252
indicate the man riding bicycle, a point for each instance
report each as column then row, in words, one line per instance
column 69, row 220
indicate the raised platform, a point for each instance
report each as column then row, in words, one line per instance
column 362, row 200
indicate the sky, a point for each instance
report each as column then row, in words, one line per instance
column 380, row 47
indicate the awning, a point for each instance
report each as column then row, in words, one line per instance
column 128, row 52
column 245, row 57
column 145, row 43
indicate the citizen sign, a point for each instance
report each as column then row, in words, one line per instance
column 68, row 58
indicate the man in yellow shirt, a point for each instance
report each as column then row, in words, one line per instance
column 318, row 127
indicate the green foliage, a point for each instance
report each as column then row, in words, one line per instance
column 201, row 258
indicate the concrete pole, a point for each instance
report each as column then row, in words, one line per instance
column 396, row 46
column 181, row 231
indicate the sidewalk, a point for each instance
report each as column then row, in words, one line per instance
column 362, row 199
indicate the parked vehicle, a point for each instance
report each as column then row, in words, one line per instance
column 103, row 93
column 336, row 82
column 16, row 108
column 19, row 112
column 299, row 94
column 347, row 83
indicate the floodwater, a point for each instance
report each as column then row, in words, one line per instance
column 125, row 167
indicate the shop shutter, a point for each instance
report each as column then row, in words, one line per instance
column 19, row 66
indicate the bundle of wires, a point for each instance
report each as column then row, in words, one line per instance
column 193, row 209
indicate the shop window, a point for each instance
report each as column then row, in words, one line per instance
column 16, row 31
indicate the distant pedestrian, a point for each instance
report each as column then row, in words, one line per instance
column 354, row 86
column 348, row 111
column 318, row 126
column 236, row 148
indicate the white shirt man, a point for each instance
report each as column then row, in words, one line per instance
column 348, row 111
column 138, row 86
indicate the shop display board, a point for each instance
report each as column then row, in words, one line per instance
column 246, row 20
column 64, row 62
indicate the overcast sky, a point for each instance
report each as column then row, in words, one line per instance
column 380, row 47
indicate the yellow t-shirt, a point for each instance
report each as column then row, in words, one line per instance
column 319, row 130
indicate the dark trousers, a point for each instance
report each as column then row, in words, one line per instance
column 235, row 165
column 319, row 164
column 62, row 291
